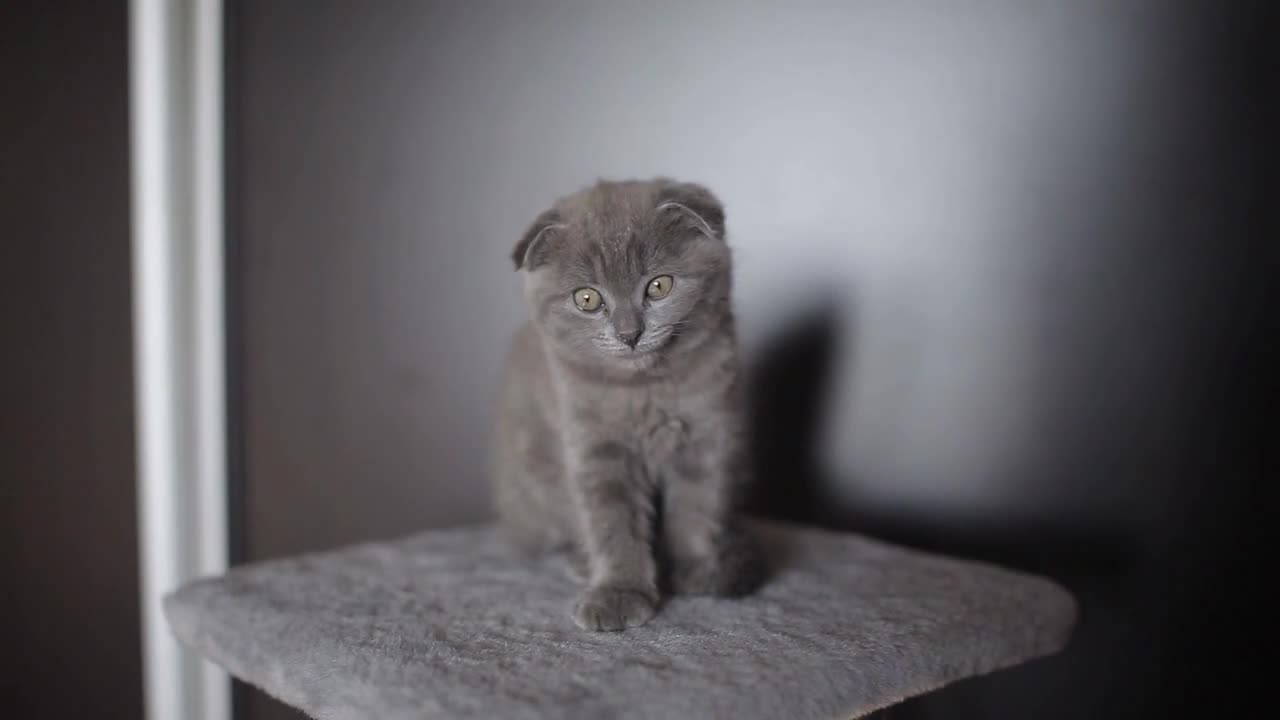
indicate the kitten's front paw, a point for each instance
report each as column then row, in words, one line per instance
column 614, row 608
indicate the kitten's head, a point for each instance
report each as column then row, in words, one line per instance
column 622, row 274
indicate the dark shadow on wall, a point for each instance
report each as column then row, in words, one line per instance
column 788, row 382
column 1101, row 672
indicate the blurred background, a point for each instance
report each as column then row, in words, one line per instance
column 1000, row 279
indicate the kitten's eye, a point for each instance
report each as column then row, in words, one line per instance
column 659, row 287
column 587, row 299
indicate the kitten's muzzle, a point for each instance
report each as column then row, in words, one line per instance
column 630, row 336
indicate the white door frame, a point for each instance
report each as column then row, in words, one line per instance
column 176, row 127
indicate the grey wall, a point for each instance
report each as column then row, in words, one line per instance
column 68, row 554
column 977, row 251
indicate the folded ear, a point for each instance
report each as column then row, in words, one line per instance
column 696, row 204
column 530, row 251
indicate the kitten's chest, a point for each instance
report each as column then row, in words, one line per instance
column 660, row 429
column 656, row 422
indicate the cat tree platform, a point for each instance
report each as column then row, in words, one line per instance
column 456, row 624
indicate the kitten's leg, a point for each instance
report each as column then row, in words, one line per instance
column 577, row 563
column 528, row 493
column 617, row 528
column 709, row 553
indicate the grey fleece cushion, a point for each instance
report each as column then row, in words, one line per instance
column 457, row 624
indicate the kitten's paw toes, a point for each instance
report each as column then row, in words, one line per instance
column 614, row 608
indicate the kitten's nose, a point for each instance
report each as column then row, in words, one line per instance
column 630, row 336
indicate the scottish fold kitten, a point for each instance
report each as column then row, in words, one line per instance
column 620, row 432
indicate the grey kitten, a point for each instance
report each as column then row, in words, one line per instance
column 620, row 432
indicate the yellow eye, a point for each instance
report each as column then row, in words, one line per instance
column 587, row 299
column 659, row 287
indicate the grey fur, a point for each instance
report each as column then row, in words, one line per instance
column 630, row 460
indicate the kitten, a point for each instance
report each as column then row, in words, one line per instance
column 620, row 434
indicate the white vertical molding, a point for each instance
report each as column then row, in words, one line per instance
column 210, row 321
column 179, row 346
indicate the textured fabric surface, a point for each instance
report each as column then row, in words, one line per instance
column 457, row 624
